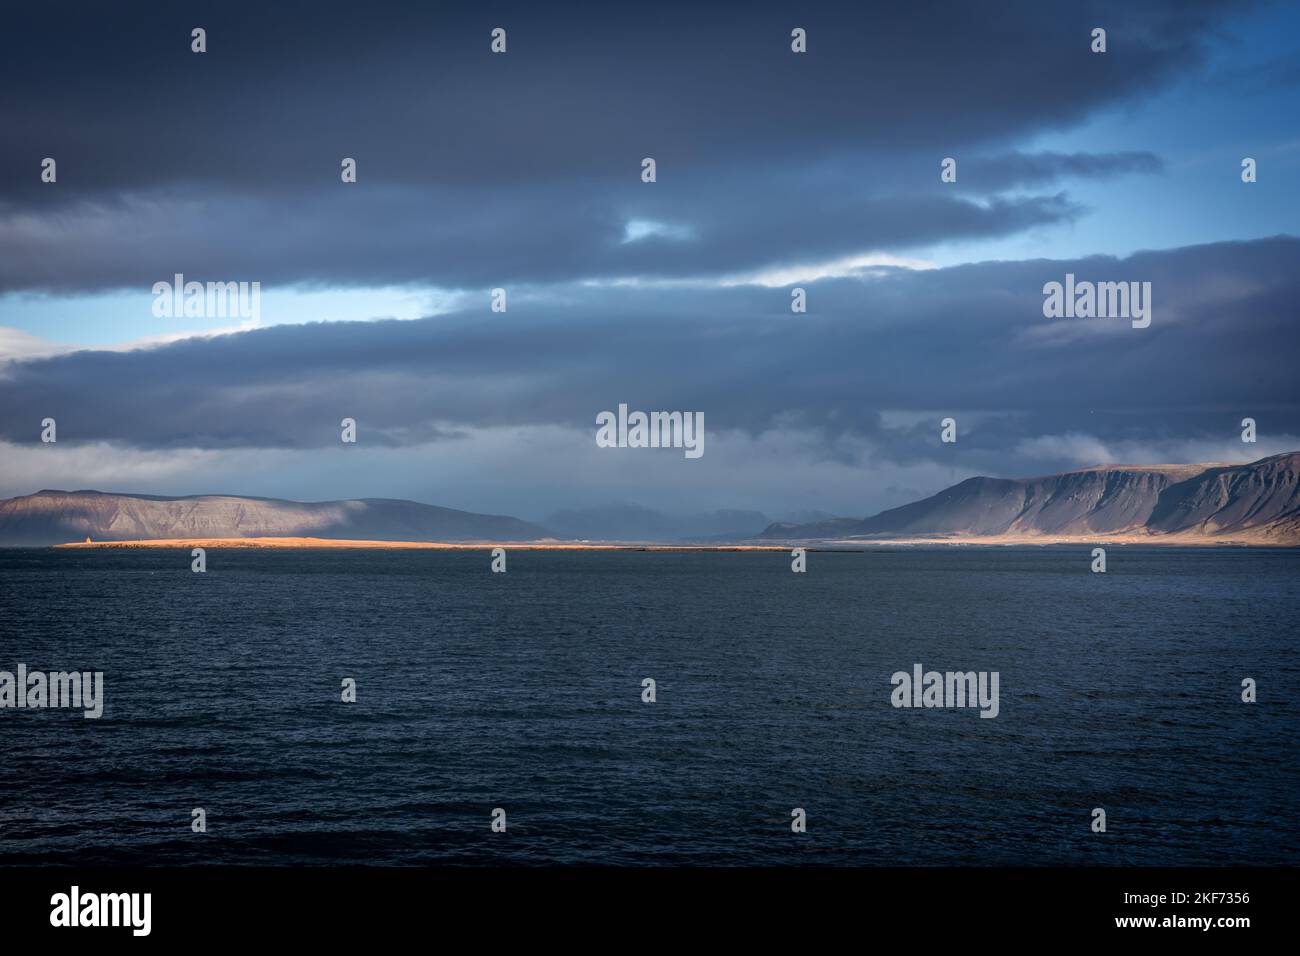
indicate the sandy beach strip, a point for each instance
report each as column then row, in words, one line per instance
column 335, row 543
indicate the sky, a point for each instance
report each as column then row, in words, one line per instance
column 522, row 171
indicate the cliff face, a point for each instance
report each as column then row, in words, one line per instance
column 1263, row 494
column 1260, row 499
column 56, row 517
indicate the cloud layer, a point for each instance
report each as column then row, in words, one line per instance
column 483, row 170
column 862, row 378
column 522, row 171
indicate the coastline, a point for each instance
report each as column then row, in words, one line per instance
column 1101, row 540
column 827, row 544
column 349, row 543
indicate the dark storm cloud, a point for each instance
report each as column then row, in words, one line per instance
column 959, row 341
column 476, row 168
column 1250, row 79
column 499, row 238
column 1006, row 170
column 286, row 87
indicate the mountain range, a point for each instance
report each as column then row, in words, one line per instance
column 1255, row 503
column 55, row 517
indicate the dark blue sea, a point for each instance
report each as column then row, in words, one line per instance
column 523, row 691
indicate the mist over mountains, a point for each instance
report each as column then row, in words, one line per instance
column 57, row 517
column 630, row 522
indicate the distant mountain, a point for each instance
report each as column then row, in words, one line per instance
column 806, row 516
column 56, row 517
column 1259, row 501
column 628, row 522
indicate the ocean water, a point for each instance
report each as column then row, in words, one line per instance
column 523, row 691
